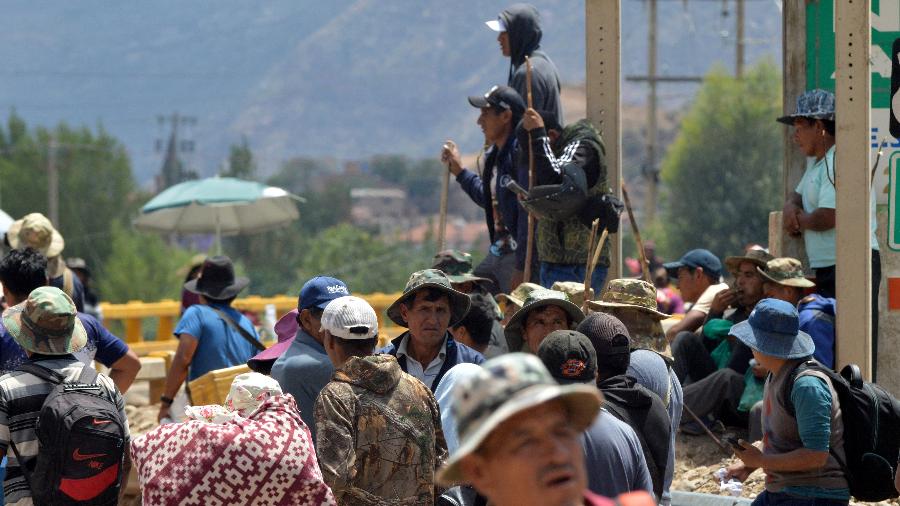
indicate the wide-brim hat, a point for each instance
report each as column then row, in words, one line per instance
column 813, row 104
column 435, row 280
column 757, row 257
column 286, row 329
column 527, row 385
column 53, row 248
column 46, row 323
column 785, row 271
column 517, row 297
column 217, row 280
column 537, row 299
column 773, row 328
column 630, row 294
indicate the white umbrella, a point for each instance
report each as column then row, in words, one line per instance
column 225, row 206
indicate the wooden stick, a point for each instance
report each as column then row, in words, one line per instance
column 587, row 264
column 709, row 433
column 645, row 267
column 594, row 260
column 531, row 221
column 442, row 221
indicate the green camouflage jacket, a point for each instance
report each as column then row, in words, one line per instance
column 378, row 434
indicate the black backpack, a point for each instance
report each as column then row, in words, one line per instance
column 871, row 419
column 81, row 443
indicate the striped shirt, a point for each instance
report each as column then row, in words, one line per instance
column 21, row 397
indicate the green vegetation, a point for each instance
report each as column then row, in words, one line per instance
column 722, row 175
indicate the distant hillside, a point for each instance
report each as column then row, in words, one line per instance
column 344, row 78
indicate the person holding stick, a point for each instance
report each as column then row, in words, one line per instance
column 570, row 192
column 501, row 109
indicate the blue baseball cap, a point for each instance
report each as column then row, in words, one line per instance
column 696, row 258
column 773, row 328
column 319, row 291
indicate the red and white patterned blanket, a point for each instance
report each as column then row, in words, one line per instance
column 265, row 459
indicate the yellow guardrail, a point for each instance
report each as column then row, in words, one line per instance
column 133, row 313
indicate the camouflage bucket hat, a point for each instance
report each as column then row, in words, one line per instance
column 35, row 231
column 646, row 331
column 757, row 257
column 814, row 104
column 457, row 265
column 46, row 323
column 436, row 280
column 786, row 271
column 628, row 293
column 573, row 289
column 518, row 296
column 537, row 299
column 506, row 386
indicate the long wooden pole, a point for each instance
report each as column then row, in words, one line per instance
column 594, row 260
column 587, row 265
column 531, row 221
column 645, row 267
column 442, row 222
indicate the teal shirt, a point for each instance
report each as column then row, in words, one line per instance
column 817, row 191
column 811, row 398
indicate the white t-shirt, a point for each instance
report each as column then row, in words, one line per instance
column 705, row 300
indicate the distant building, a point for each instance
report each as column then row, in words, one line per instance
column 382, row 209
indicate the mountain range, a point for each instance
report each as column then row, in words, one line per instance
column 344, row 79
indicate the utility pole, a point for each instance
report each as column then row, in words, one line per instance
column 52, row 183
column 173, row 170
column 650, row 172
column 739, row 46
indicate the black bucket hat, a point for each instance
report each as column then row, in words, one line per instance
column 217, row 279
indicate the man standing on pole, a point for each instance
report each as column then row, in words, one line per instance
column 501, row 109
column 519, row 35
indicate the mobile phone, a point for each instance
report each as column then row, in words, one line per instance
column 734, row 442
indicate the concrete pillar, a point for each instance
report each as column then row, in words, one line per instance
column 852, row 109
column 603, row 80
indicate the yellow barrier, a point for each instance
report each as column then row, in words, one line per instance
column 167, row 311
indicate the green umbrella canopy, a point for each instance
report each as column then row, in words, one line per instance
column 223, row 205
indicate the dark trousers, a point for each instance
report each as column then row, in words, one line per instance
column 717, row 395
column 691, row 352
column 766, row 498
column 825, row 286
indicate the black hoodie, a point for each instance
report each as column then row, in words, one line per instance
column 523, row 26
column 645, row 412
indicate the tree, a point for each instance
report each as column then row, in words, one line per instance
column 722, row 174
column 240, row 161
column 141, row 267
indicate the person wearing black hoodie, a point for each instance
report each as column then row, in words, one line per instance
column 519, row 35
column 628, row 401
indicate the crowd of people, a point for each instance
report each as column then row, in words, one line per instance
column 568, row 391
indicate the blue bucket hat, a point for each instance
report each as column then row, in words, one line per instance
column 814, row 104
column 773, row 329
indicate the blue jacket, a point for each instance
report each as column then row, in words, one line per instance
column 457, row 353
column 817, row 319
column 514, row 217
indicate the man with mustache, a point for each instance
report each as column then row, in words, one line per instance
column 519, row 437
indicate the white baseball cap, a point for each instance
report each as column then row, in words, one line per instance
column 350, row 317
column 497, row 25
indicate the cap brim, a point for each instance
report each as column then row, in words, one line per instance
column 582, row 402
column 672, row 268
column 479, row 101
column 598, row 305
column 789, row 119
column 764, row 342
column 515, row 326
column 466, row 278
column 459, row 304
column 495, row 25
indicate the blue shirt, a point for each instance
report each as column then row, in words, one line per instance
column 101, row 346
column 614, row 458
column 218, row 345
column 303, row 370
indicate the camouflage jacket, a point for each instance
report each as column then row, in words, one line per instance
column 379, row 435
